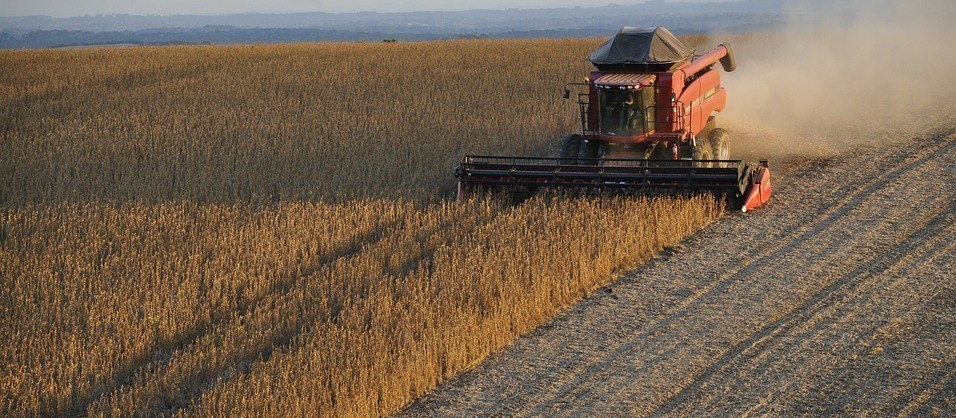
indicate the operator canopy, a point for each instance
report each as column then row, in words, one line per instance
column 640, row 46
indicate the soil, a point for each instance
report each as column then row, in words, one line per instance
column 838, row 298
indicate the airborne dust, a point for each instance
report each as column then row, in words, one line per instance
column 872, row 73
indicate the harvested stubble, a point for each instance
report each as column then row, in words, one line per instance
column 225, row 234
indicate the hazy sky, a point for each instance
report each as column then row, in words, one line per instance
column 65, row 8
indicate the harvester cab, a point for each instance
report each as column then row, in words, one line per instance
column 626, row 112
column 648, row 124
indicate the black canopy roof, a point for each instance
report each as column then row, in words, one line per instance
column 634, row 46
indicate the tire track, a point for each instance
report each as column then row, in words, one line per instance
column 768, row 359
column 945, row 386
column 940, row 387
column 836, row 293
column 871, row 311
column 855, row 378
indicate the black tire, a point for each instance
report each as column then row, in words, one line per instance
column 720, row 143
column 570, row 148
column 590, row 151
column 703, row 151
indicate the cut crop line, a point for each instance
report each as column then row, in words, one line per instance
column 756, row 343
column 831, row 247
column 780, row 248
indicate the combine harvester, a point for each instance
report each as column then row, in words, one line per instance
column 648, row 127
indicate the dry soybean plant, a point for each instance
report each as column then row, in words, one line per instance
column 265, row 230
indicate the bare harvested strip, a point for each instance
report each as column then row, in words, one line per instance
column 841, row 373
column 937, row 395
column 816, row 315
column 756, row 362
column 919, row 296
column 820, row 256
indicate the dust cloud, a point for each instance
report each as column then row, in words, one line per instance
column 871, row 72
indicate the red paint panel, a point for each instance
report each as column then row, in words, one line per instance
column 698, row 106
column 759, row 191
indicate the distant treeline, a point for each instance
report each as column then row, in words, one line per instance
column 235, row 35
column 176, row 36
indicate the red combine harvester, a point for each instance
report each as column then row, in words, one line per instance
column 648, row 126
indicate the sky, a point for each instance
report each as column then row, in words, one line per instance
column 68, row 8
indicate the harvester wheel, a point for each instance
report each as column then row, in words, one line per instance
column 720, row 140
column 703, row 151
column 570, row 147
column 589, row 152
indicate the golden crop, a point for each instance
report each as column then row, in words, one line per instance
column 264, row 230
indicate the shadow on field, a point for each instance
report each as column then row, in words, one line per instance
column 192, row 386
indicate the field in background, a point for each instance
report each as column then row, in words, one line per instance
column 262, row 230
column 324, row 121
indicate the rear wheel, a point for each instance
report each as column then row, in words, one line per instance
column 570, row 148
column 720, row 142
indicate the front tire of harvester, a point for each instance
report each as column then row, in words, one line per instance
column 570, row 148
column 590, row 152
column 720, row 141
column 703, row 151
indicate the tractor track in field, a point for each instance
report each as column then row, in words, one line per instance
column 838, row 298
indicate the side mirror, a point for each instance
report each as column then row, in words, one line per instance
column 567, row 93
